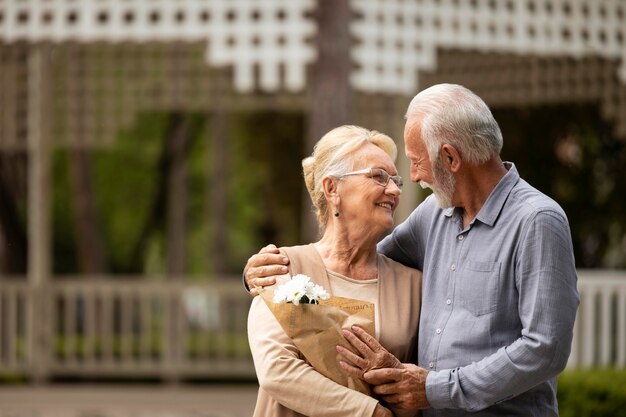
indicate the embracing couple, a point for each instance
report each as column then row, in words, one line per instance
column 485, row 327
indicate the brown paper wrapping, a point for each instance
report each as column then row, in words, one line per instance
column 316, row 329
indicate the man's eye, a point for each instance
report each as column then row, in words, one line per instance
column 378, row 177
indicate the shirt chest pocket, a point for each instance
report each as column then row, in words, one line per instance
column 479, row 286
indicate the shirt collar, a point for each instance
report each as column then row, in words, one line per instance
column 490, row 211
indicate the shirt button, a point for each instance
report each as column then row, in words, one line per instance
column 461, row 237
column 431, row 365
column 448, row 301
column 453, row 267
column 438, row 331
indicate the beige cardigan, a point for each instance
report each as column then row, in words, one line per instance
column 289, row 386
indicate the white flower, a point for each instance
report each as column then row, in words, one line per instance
column 300, row 289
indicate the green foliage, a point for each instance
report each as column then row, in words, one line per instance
column 570, row 153
column 265, row 183
column 63, row 246
column 592, row 393
column 262, row 178
column 125, row 183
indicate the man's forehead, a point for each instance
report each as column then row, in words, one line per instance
column 411, row 132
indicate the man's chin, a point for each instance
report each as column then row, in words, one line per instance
column 442, row 202
column 425, row 185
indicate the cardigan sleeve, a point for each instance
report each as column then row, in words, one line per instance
column 292, row 382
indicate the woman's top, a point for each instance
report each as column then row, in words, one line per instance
column 364, row 289
column 289, row 386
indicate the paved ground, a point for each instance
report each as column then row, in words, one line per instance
column 128, row 401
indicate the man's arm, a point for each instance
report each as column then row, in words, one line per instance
column 548, row 299
column 404, row 245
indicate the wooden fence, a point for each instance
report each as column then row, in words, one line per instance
column 138, row 327
column 124, row 327
column 600, row 330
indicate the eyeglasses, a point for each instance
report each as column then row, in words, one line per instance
column 379, row 175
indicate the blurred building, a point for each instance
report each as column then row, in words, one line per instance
column 74, row 73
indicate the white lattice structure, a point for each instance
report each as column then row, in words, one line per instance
column 400, row 37
column 395, row 39
column 271, row 35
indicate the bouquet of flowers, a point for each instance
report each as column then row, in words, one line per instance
column 314, row 320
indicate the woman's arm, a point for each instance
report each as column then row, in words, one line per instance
column 291, row 381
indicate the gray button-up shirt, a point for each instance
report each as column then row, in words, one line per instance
column 499, row 300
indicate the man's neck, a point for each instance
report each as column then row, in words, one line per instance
column 476, row 184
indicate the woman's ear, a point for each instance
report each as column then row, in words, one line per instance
column 331, row 192
column 329, row 184
column 450, row 157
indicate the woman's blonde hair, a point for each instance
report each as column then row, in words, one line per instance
column 334, row 155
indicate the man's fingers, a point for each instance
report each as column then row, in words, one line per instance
column 262, row 282
column 264, row 275
column 392, row 399
column 271, row 248
column 383, row 376
column 353, row 359
column 263, row 259
column 265, row 271
column 351, row 370
column 391, row 388
column 369, row 340
column 361, row 347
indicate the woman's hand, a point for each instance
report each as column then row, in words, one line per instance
column 372, row 355
column 400, row 384
column 263, row 266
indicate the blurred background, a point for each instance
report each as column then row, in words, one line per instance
column 149, row 147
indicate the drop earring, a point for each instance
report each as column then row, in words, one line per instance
column 336, row 214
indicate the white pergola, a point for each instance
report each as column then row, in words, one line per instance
column 395, row 39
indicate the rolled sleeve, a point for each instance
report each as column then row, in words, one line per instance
column 438, row 389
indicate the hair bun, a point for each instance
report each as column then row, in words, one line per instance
column 308, row 169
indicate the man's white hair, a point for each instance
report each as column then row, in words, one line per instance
column 455, row 115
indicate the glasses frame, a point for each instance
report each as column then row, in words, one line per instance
column 397, row 179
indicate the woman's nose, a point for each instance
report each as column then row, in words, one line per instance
column 393, row 189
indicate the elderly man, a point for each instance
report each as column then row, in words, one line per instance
column 499, row 294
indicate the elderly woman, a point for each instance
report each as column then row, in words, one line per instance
column 355, row 189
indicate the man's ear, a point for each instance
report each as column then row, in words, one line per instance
column 450, row 157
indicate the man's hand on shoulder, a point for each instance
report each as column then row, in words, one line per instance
column 263, row 266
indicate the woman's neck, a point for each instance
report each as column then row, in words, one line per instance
column 349, row 254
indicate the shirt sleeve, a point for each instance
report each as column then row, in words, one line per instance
column 288, row 379
column 548, row 300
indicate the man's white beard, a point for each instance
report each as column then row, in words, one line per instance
column 443, row 187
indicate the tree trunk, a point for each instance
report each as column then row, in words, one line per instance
column 89, row 238
column 13, row 255
column 176, row 136
column 217, row 184
column 177, row 191
column 329, row 94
